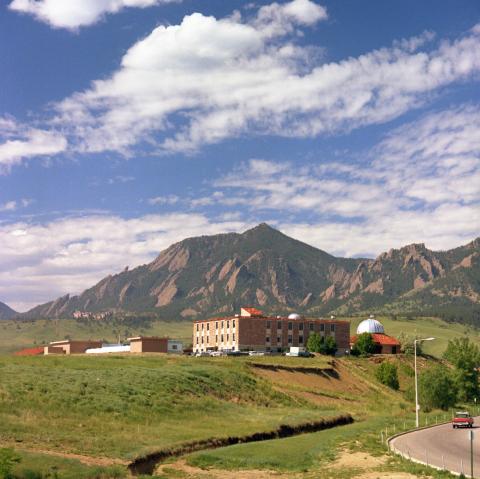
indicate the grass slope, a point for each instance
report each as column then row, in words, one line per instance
column 123, row 406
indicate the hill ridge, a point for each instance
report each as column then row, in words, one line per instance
column 207, row 275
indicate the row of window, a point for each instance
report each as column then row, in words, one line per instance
column 216, row 325
column 216, row 338
column 290, row 339
column 300, row 326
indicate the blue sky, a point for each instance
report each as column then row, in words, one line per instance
column 126, row 125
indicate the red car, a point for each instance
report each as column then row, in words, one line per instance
column 462, row 419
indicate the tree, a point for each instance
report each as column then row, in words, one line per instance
column 314, row 343
column 437, row 389
column 387, row 374
column 364, row 345
column 322, row 345
column 8, row 459
column 465, row 357
column 407, row 344
column 329, row 346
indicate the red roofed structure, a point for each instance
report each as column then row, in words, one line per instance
column 30, row 352
column 385, row 344
column 249, row 311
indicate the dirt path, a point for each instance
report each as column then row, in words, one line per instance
column 87, row 460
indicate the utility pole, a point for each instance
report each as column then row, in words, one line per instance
column 470, row 435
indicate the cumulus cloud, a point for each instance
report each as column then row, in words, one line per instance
column 39, row 262
column 21, row 143
column 208, row 79
column 72, row 14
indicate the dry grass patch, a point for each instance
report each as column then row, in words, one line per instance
column 358, row 460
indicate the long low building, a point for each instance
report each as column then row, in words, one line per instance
column 251, row 330
column 139, row 344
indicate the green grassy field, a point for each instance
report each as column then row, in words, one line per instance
column 120, row 407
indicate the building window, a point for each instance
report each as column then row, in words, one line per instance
column 222, row 324
column 174, row 346
column 311, row 326
column 233, row 337
column 202, row 326
column 290, row 339
column 290, row 326
column 279, row 325
column 216, row 324
column 216, row 338
column 322, row 327
column 228, row 324
column 197, row 326
column 221, row 338
column 279, row 339
column 300, row 327
column 197, row 339
column 332, row 328
column 233, row 323
column 269, row 324
column 227, row 338
column 300, row 339
column 267, row 339
column 202, row 339
column 208, row 326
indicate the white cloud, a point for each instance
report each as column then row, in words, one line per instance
column 8, row 206
column 40, row 262
column 420, row 184
column 72, row 14
column 13, row 205
column 208, row 79
column 164, row 200
column 21, row 143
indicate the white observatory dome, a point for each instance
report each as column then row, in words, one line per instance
column 371, row 326
column 294, row 316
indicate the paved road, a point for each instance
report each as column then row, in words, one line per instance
column 442, row 446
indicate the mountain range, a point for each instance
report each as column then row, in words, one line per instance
column 6, row 312
column 213, row 275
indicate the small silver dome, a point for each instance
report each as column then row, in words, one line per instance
column 371, row 326
column 294, row 316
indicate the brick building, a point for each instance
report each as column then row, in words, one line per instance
column 251, row 330
column 69, row 346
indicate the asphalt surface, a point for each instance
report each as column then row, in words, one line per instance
column 443, row 447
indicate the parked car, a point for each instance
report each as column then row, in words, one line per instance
column 462, row 419
column 201, row 353
column 256, row 353
column 298, row 351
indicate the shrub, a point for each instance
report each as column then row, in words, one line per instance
column 8, row 459
column 387, row 374
column 322, row 345
column 437, row 389
column 364, row 345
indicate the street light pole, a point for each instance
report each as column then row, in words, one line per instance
column 417, row 406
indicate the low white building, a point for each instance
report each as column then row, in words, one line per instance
column 174, row 346
column 109, row 348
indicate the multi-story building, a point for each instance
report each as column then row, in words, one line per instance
column 251, row 330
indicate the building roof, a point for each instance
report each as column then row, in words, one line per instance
column 74, row 341
column 252, row 311
column 271, row 318
column 382, row 339
column 29, row 352
column 145, row 338
column 370, row 325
